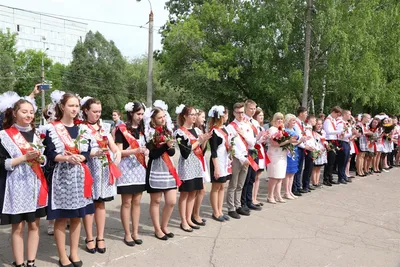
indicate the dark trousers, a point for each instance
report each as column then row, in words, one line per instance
column 308, row 167
column 342, row 159
column 297, row 177
column 247, row 191
column 329, row 166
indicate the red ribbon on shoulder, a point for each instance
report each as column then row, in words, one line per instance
column 133, row 143
column 24, row 146
column 69, row 144
column 102, row 141
column 197, row 151
column 252, row 162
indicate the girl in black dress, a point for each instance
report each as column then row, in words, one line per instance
column 23, row 186
column 70, row 193
column 191, row 165
column 130, row 140
column 161, row 175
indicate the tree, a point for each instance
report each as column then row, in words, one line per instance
column 98, row 69
column 7, row 58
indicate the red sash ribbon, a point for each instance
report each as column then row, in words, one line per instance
column 165, row 157
column 69, row 144
column 24, row 146
column 252, row 162
column 115, row 173
column 133, row 144
column 227, row 145
column 197, row 151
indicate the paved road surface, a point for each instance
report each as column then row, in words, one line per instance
column 344, row 225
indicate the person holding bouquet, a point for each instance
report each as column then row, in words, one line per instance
column 363, row 144
column 103, row 168
column 292, row 160
column 161, row 175
column 280, row 144
column 344, row 152
column 375, row 127
column 321, row 159
column 309, row 154
column 129, row 137
column 70, row 193
column 23, row 186
column 386, row 147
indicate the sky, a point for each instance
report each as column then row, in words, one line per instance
column 132, row 41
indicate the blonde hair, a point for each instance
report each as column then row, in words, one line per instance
column 288, row 118
column 276, row 117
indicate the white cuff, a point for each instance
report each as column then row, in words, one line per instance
column 8, row 166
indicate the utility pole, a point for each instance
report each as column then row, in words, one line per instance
column 150, row 62
column 42, row 80
column 304, row 102
column 149, row 98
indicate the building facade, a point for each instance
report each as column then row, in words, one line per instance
column 40, row 32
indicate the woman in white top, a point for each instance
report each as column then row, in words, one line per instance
column 259, row 117
column 276, row 171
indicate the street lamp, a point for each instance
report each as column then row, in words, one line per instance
column 150, row 58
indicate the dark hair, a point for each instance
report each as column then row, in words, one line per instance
column 202, row 127
column 238, row 105
column 185, row 112
column 9, row 116
column 87, row 107
column 137, row 106
column 300, row 110
column 309, row 117
column 45, row 112
column 318, row 119
column 215, row 121
column 378, row 125
column 63, row 101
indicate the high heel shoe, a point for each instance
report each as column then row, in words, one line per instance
column 281, row 200
column 90, row 250
column 75, row 263
column 271, row 201
column 19, row 265
column 68, row 265
column 100, row 250
column 30, row 263
column 288, row 197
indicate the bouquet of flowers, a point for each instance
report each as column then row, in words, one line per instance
column 161, row 135
column 315, row 154
column 333, row 146
column 283, row 136
column 372, row 139
column 387, row 128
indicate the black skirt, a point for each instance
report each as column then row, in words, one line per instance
column 23, row 217
column 221, row 179
column 131, row 189
column 191, row 185
column 102, row 200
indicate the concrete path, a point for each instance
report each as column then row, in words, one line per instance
column 345, row 225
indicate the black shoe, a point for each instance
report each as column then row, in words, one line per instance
column 226, row 217
column 90, row 250
column 218, row 219
column 348, row 180
column 129, row 243
column 342, row 182
column 241, row 211
column 100, row 250
column 23, row 264
column 76, row 263
column 311, row 187
column 309, row 190
column 30, row 263
column 138, row 241
column 189, row 230
column 333, row 182
column 202, row 223
column 234, row 214
column 59, row 263
column 254, row 207
column 194, row 227
column 303, row 191
column 169, row 235
column 296, row 193
column 246, row 208
column 327, row 183
column 164, row 237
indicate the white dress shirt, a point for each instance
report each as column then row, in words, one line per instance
column 241, row 151
column 330, row 127
column 299, row 127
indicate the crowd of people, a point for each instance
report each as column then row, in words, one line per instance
column 69, row 168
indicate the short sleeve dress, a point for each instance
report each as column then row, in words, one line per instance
column 278, row 157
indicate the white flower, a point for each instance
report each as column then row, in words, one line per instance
column 160, row 104
column 56, row 96
column 129, row 107
column 83, row 100
column 179, row 109
column 219, row 110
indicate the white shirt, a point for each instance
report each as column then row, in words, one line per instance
column 299, row 127
column 241, row 151
column 330, row 125
column 341, row 127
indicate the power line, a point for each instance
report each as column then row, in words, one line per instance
column 57, row 16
